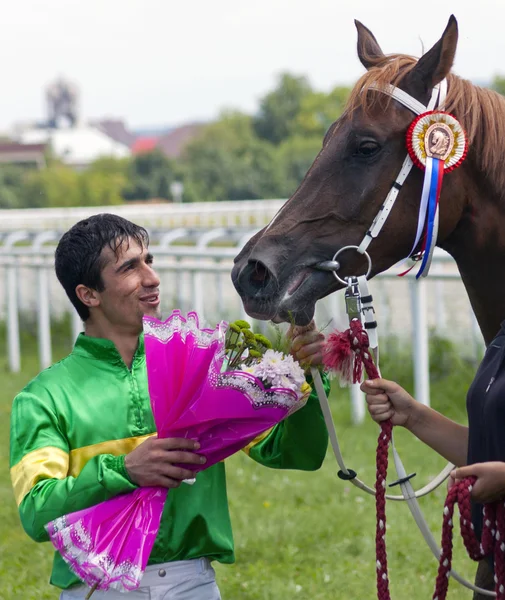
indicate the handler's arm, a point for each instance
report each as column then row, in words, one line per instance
column 446, row 437
column 388, row 400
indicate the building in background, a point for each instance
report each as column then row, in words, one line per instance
column 78, row 142
column 30, row 155
column 171, row 142
column 77, row 146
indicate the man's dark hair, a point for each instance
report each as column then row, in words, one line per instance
column 78, row 254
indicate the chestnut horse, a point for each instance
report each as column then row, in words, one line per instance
column 277, row 275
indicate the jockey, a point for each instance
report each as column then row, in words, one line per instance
column 83, row 431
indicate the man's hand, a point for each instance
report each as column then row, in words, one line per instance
column 153, row 462
column 306, row 344
column 490, row 484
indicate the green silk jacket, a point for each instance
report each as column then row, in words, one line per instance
column 72, row 426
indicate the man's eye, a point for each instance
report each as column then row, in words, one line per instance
column 368, row 148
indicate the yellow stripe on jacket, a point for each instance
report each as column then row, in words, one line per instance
column 53, row 463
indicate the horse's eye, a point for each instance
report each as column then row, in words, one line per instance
column 368, row 148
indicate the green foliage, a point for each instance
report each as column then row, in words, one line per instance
column 12, row 179
column 295, row 155
column 318, row 111
column 149, row 176
column 280, row 108
column 59, row 185
column 498, row 84
column 56, row 185
column 228, row 162
column 266, row 156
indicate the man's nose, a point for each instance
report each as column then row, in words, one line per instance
column 151, row 278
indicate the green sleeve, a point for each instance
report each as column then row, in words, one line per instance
column 39, row 460
column 298, row 442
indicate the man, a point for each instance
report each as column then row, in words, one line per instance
column 82, row 430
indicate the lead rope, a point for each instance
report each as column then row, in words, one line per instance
column 357, row 340
column 492, row 540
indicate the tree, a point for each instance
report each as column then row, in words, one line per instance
column 228, row 162
column 100, row 189
column 149, row 176
column 295, row 156
column 12, row 179
column 54, row 186
column 101, row 184
column 280, row 108
column 498, row 85
column 318, row 111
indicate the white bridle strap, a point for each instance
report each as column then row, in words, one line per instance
column 409, row 101
column 438, row 95
column 386, row 208
column 406, row 99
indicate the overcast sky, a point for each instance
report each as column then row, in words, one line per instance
column 165, row 62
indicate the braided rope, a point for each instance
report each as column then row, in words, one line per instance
column 493, row 534
column 492, row 541
column 359, row 342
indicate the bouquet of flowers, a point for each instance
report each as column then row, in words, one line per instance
column 222, row 387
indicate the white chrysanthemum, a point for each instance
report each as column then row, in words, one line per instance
column 279, row 370
column 283, row 381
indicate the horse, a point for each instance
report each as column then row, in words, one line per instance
column 278, row 273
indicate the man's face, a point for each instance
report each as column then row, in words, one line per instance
column 131, row 287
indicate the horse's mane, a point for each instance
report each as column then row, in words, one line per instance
column 481, row 111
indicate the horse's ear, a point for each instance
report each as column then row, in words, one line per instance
column 369, row 51
column 435, row 65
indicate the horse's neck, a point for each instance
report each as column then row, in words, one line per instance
column 478, row 247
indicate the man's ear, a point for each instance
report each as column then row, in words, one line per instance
column 88, row 296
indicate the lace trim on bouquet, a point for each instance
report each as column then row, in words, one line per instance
column 254, row 390
column 74, row 544
column 176, row 323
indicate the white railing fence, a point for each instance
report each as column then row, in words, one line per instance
column 197, row 277
column 247, row 213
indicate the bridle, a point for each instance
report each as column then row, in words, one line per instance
column 359, row 306
column 437, row 101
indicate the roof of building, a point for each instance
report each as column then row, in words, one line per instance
column 174, row 142
column 115, row 129
column 77, row 145
column 13, row 152
column 144, row 144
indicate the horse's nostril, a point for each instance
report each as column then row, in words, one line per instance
column 256, row 278
column 259, row 273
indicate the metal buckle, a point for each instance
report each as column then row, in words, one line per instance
column 353, row 299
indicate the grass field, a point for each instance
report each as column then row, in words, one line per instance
column 298, row 535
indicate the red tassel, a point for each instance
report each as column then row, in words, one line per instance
column 345, row 352
column 339, row 357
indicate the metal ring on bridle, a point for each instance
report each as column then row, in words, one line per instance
column 364, row 253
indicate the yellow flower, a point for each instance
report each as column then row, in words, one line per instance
column 305, row 389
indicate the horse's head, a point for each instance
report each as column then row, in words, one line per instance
column 334, row 206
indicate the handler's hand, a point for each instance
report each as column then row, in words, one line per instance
column 387, row 400
column 153, row 462
column 490, row 484
column 306, row 344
